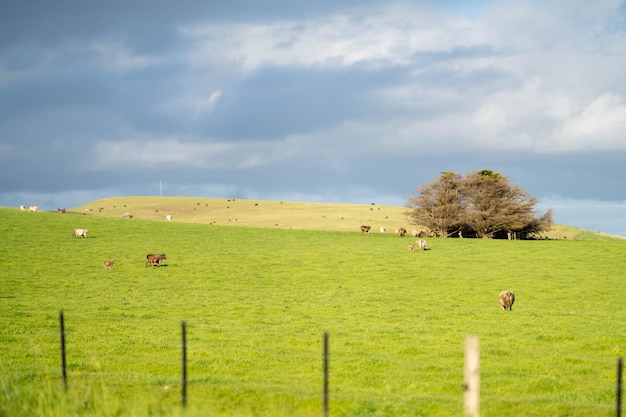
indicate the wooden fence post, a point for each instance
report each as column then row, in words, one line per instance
column 63, row 360
column 184, row 387
column 472, row 376
column 618, row 403
column 325, row 374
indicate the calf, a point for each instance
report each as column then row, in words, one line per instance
column 506, row 300
column 365, row 229
column 153, row 258
column 80, row 233
column 109, row 264
column 411, row 246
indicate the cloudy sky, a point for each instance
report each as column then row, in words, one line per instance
column 351, row 101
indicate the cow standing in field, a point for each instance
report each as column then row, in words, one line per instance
column 153, row 258
column 32, row 209
column 22, row 207
column 383, row 230
column 109, row 264
column 127, row 215
column 61, row 210
column 411, row 247
column 401, row 232
column 506, row 300
column 365, row 229
column 421, row 244
column 168, row 218
column 80, row 233
column 415, row 233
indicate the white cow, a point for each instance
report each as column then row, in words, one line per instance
column 383, row 230
column 421, row 244
column 168, row 218
column 32, row 208
column 22, row 207
column 80, row 233
column 127, row 215
column 415, row 233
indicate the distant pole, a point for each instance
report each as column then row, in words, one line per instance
column 618, row 406
column 325, row 374
column 63, row 361
column 472, row 376
column 184, row 389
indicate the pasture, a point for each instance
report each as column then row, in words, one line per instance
column 257, row 301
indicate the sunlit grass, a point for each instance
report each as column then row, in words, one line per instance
column 257, row 301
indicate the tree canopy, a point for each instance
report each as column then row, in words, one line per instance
column 484, row 204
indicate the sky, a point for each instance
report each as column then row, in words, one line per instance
column 346, row 101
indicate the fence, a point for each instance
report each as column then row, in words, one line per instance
column 472, row 372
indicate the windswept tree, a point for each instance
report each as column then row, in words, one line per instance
column 484, row 204
column 440, row 205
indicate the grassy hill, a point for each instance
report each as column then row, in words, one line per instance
column 279, row 214
column 257, row 300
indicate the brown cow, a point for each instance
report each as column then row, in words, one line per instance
column 365, row 229
column 109, row 264
column 506, row 300
column 153, row 258
column 411, row 246
column 401, row 232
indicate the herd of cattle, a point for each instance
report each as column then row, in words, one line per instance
column 505, row 298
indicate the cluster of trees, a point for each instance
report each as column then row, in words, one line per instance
column 484, row 204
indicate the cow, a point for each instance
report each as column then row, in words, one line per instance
column 80, row 233
column 383, row 230
column 127, row 215
column 365, row 229
column 61, row 210
column 401, row 232
column 421, row 244
column 506, row 300
column 153, row 258
column 32, row 209
column 415, row 233
column 168, row 218
column 22, row 207
column 109, row 264
column 411, row 246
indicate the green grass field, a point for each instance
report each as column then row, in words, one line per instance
column 257, row 301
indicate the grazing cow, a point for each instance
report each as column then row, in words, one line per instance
column 383, row 230
column 506, row 300
column 127, row 215
column 32, row 208
column 109, row 264
column 421, row 244
column 168, row 218
column 22, row 207
column 80, row 233
column 365, row 229
column 415, row 233
column 401, row 232
column 411, row 246
column 153, row 258
column 61, row 210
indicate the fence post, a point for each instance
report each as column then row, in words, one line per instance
column 472, row 376
column 325, row 374
column 63, row 361
column 618, row 405
column 184, row 385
